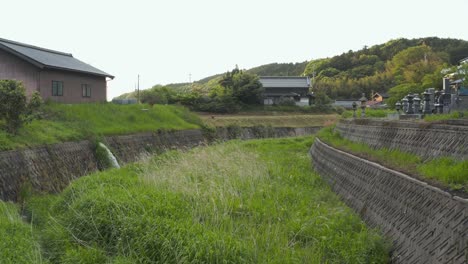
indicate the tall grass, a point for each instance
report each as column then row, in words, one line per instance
column 82, row 121
column 447, row 171
column 239, row 202
column 17, row 243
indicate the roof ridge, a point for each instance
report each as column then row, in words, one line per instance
column 35, row 47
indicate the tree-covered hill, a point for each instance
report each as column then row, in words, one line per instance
column 416, row 62
column 398, row 66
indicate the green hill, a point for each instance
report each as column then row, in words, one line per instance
column 408, row 62
column 416, row 62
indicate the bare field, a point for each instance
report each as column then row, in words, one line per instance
column 275, row 120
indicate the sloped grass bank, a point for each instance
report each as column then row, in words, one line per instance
column 64, row 122
column 237, row 202
column 447, row 172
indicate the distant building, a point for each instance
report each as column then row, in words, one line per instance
column 57, row 76
column 379, row 97
column 281, row 87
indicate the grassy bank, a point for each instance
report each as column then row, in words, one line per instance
column 63, row 122
column 239, row 202
column 452, row 115
column 450, row 173
column 272, row 119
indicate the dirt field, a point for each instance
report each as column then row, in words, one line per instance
column 275, row 120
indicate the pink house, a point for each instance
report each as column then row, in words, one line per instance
column 57, row 76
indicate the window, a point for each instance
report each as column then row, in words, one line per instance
column 57, row 88
column 86, row 88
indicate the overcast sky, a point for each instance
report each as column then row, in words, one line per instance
column 165, row 41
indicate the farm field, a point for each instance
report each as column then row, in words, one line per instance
column 277, row 119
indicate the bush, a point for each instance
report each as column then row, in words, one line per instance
column 14, row 107
column 12, row 104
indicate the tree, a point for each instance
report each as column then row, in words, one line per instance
column 14, row 108
column 462, row 74
column 243, row 87
column 12, row 104
column 398, row 92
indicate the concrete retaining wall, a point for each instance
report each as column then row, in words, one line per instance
column 51, row 168
column 48, row 168
column 426, row 224
column 424, row 139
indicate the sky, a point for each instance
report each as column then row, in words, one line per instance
column 175, row 41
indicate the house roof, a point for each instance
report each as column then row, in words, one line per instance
column 51, row 59
column 384, row 95
column 284, row 82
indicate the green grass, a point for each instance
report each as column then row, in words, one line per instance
column 238, row 202
column 370, row 113
column 83, row 121
column 440, row 117
column 17, row 243
column 447, row 171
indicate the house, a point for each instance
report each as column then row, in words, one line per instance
column 277, row 88
column 379, row 97
column 57, row 76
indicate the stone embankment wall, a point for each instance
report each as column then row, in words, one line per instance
column 47, row 168
column 426, row 224
column 50, row 168
column 424, row 139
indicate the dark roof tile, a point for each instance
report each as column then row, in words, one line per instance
column 45, row 58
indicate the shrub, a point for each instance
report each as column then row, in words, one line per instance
column 14, row 107
column 12, row 104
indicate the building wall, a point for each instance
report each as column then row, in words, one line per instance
column 72, row 91
column 35, row 79
column 14, row 68
column 278, row 91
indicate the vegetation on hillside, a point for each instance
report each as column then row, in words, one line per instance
column 63, row 122
column 239, row 202
column 399, row 66
column 224, row 94
column 450, row 173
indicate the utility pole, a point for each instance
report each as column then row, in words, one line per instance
column 313, row 76
column 138, row 88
